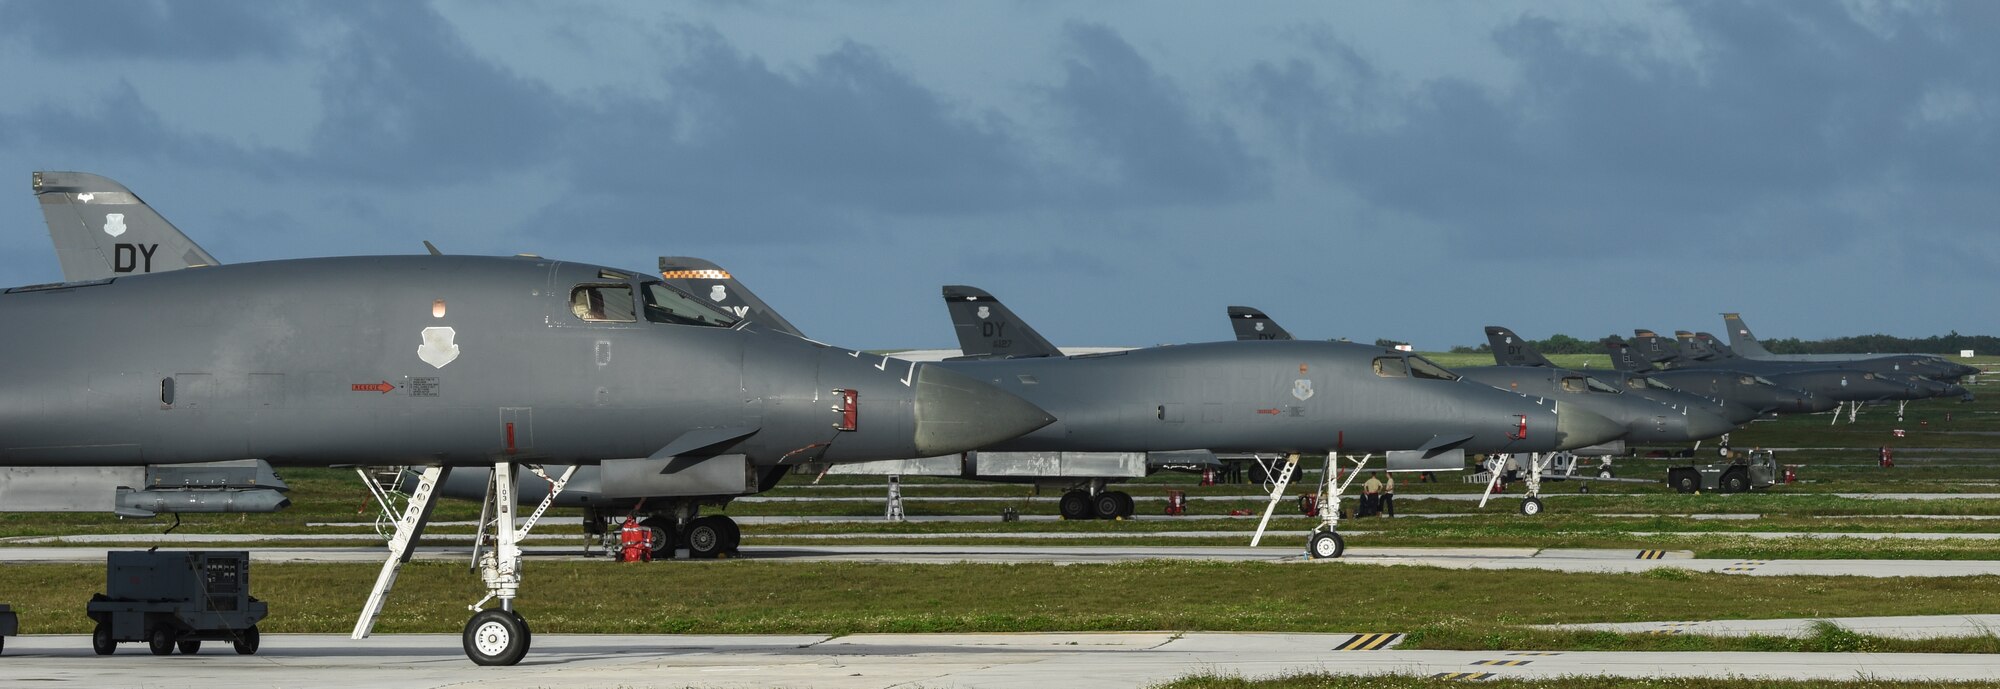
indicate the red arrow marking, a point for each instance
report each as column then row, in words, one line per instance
column 383, row 387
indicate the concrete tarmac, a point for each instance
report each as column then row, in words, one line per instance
column 1900, row 626
column 995, row 661
column 1280, row 548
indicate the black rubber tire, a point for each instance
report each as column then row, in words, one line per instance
column 732, row 535
column 246, row 641
column 188, row 647
column 1604, row 473
column 664, row 539
column 1126, row 507
column 100, row 640
column 1105, row 506
column 160, row 640
column 1531, row 506
column 495, row 637
column 1075, row 505
column 1684, row 481
column 1325, row 545
column 1735, row 482
column 527, row 633
column 705, row 538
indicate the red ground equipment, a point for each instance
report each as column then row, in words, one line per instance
column 1309, row 504
column 634, row 542
column 1176, row 503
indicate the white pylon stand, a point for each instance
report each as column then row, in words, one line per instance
column 1277, row 493
column 1836, row 413
column 499, row 636
column 894, row 512
column 1900, row 405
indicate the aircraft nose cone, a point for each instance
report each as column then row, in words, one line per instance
column 957, row 413
column 1578, row 427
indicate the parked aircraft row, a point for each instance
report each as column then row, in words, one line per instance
column 622, row 390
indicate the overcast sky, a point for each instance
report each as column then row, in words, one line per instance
column 1118, row 172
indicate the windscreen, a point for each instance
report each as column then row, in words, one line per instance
column 1391, row 367
column 1425, row 368
column 666, row 304
column 1599, row 386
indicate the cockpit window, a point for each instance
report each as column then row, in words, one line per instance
column 1746, row 380
column 1573, row 384
column 1867, row 376
column 602, row 303
column 1657, row 385
column 1637, row 383
column 666, row 304
column 1599, row 386
column 1391, row 367
column 1424, row 368
column 1765, row 381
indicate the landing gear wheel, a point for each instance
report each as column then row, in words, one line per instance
column 100, row 640
column 189, row 647
column 1735, row 483
column 527, row 634
column 1325, row 545
column 662, row 538
column 1531, row 506
column 495, row 637
column 1125, row 505
column 732, row 535
column 1106, row 506
column 704, row 538
column 1604, row 472
column 161, row 640
column 1685, row 481
column 1075, row 505
column 246, row 641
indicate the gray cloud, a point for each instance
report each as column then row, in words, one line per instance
column 1791, row 131
column 1137, row 120
column 154, row 29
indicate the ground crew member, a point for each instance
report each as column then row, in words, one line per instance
column 1371, row 495
column 1389, row 495
column 634, row 541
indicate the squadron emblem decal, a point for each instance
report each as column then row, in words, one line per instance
column 1260, row 326
column 114, row 224
column 1302, row 389
column 984, row 312
column 718, row 293
column 438, row 348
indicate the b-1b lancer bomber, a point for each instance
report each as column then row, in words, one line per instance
column 453, row 361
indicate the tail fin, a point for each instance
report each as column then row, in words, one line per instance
column 1251, row 324
column 1694, row 347
column 1623, row 358
column 1512, row 350
column 705, row 279
column 101, row 229
column 987, row 329
column 1651, row 347
column 1740, row 339
column 1722, row 351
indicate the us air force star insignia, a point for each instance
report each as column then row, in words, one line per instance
column 984, row 312
column 438, row 348
column 718, row 293
column 1302, row 389
column 114, row 224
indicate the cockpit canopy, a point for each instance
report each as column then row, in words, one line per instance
column 1411, row 367
column 1587, row 384
column 613, row 302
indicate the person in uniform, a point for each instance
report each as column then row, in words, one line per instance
column 1371, row 495
column 1388, row 495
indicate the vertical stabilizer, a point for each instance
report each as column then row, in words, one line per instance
column 1651, row 347
column 1741, row 340
column 706, row 280
column 988, row 329
column 1252, row 324
column 1623, row 358
column 101, row 229
column 1714, row 344
column 1510, row 349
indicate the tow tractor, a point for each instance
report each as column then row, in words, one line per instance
column 1741, row 473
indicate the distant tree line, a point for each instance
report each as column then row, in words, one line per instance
column 1859, row 344
column 1556, row 344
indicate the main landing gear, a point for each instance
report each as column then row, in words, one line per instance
column 705, row 537
column 495, row 636
column 1094, row 502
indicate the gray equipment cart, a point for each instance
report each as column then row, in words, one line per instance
column 1743, row 473
column 176, row 598
column 9, row 623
